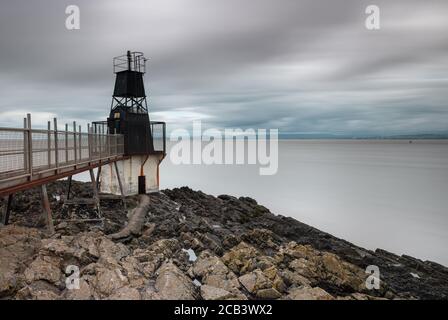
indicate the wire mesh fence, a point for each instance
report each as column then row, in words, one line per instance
column 12, row 151
column 26, row 152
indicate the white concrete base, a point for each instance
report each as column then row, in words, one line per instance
column 129, row 172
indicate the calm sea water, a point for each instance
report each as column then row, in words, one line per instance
column 376, row 194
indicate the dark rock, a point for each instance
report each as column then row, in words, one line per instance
column 239, row 235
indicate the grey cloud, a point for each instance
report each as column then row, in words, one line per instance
column 302, row 66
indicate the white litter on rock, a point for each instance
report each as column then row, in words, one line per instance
column 57, row 197
column 197, row 283
column 415, row 275
column 191, row 255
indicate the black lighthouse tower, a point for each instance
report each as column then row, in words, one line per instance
column 129, row 110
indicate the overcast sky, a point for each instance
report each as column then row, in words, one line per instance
column 300, row 66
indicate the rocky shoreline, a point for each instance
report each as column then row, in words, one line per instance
column 195, row 246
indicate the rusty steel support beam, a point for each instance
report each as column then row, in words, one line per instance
column 98, row 174
column 7, row 209
column 69, row 187
column 123, row 197
column 96, row 196
column 46, row 208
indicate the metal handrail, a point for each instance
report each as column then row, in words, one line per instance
column 31, row 152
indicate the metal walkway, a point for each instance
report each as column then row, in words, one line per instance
column 32, row 157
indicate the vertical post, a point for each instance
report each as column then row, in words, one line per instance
column 123, row 198
column 113, row 144
column 100, row 138
column 129, row 60
column 7, row 210
column 30, row 145
column 80, row 143
column 104, row 141
column 98, row 174
column 164, row 138
column 69, row 188
column 95, row 139
column 49, row 144
column 56, row 143
column 66, row 143
column 74, row 143
column 89, row 144
column 96, row 197
column 108, row 146
column 47, row 209
column 25, row 147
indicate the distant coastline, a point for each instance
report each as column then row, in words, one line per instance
column 318, row 136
